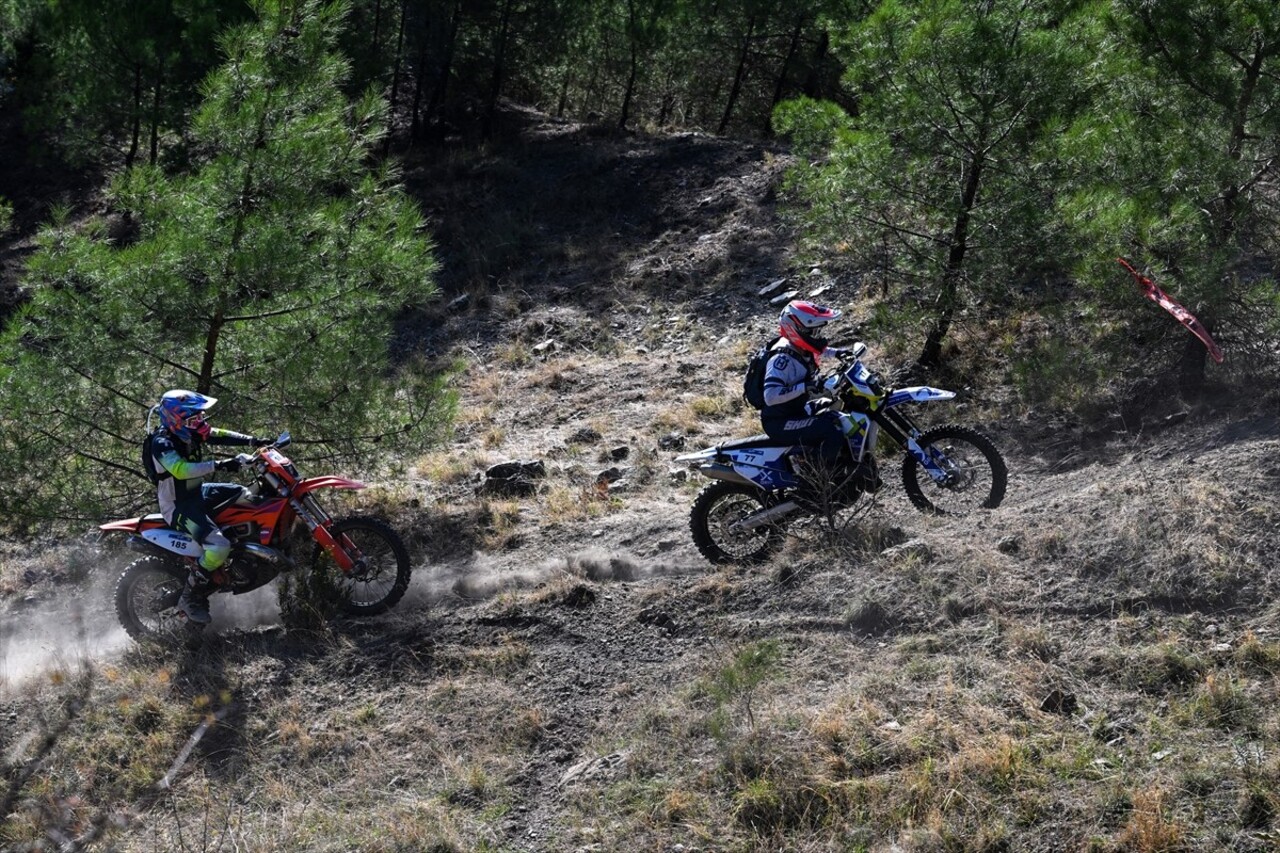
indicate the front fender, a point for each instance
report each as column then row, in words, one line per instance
column 918, row 394
column 327, row 482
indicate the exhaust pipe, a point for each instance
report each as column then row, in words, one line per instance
column 765, row 516
column 717, row 471
column 262, row 552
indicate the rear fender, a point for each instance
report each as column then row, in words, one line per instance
column 134, row 525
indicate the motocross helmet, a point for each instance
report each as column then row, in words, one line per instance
column 183, row 414
column 802, row 323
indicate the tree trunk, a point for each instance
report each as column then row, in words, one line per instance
column 812, row 87
column 499, row 67
column 155, row 113
column 377, row 31
column 781, row 85
column 741, row 71
column 398, row 66
column 631, row 76
column 204, row 385
column 420, row 75
column 440, row 90
column 1194, row 360
column 667, row 107
column 136, row 130
column 563, row 101
column 949, row 296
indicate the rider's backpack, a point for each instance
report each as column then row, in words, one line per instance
column 753, row 382
column 149, row 461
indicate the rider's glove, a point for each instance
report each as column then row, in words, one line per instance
column 235, row 463
column 816, row 405
column 259, row 441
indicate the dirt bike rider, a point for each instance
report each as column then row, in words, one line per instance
column 171, row 456
column 794, row 411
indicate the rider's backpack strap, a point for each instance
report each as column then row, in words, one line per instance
column 149, row 461
column 753, row 382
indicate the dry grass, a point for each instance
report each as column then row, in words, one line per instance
column 568, row 503
column 705, row 412
column 835, row 700
column 451, row 468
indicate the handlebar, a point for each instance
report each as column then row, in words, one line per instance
column 853, row 353
column 833, row 381
column 283, row 441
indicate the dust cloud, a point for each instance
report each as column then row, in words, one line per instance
column 483, row 576
column 80, row 627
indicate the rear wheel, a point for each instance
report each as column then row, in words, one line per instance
column 381, row 574
column 976, row 476
column 716, row 509
column 147, row 598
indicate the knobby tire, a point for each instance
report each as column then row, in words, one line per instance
column 915, row 479
column 721, row 503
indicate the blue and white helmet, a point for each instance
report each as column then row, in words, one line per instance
column 183, row 413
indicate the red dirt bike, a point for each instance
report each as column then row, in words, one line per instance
column 269, row 528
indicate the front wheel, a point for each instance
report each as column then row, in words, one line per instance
column 975, row 473
column 716, row 509
column 381, row 575
column 147, row 598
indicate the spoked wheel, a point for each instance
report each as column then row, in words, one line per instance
column 717, row 507
column 381, row 573
column 147, row 599
column 976, row 476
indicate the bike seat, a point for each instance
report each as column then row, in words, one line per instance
column 749, row 443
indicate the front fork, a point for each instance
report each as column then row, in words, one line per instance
column 898, row 426
column 318, row 522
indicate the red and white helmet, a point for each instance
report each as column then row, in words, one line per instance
column 802, row 323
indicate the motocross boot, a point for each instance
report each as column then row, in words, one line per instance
column 852, row 480
column 813, row 484
column 194, row 602
column 861, row 478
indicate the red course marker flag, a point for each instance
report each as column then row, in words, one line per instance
column 1165, row 301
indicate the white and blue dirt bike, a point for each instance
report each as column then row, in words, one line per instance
column 742, row 516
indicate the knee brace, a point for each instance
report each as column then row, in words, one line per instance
column 216, row 549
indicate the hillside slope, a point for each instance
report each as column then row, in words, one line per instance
column 1091, row 666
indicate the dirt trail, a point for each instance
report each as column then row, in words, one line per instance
column 608, row 333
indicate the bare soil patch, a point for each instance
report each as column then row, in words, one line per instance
column 1092, row 666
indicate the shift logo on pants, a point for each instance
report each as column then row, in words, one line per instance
column 800, row 424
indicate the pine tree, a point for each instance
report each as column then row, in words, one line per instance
column 268, row 276
column 939, row 187
column 1173, row 164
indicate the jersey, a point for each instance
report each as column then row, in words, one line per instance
column 178, row 469
column 786, row 382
